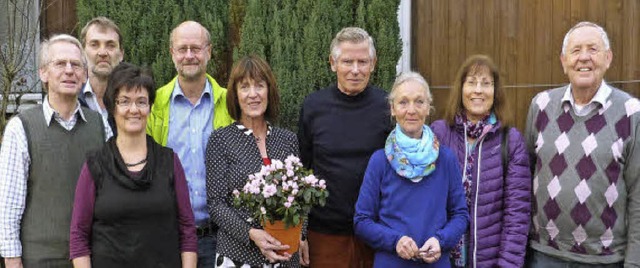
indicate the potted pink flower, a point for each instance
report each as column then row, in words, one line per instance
column 281, row 196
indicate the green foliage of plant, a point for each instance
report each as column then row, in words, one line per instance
column 283, row 191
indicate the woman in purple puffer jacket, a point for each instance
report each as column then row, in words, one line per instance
column 497, row 183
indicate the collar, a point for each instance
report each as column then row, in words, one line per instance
column 177, row 90
column 87, row 89
column 50, row 113
column 600, row 97
column 248, row 131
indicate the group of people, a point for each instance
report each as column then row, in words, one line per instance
column 110, row 172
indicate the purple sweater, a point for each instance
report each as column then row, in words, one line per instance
column 500, row 208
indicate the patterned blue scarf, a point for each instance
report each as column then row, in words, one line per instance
column 412, row 158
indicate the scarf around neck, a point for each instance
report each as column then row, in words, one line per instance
column 474, row 131
column 112, row 162
column 412, row 159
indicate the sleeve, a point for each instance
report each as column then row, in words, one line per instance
column 14, row 171
column 219, row 193
column 530, row 134
column 517, row 202
column 305, row 139
column 631, row 174
column 366, row 226
column 82, row 215
column 186, row 221
column 457, row 210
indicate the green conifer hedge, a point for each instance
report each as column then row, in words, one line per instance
column 292, row 35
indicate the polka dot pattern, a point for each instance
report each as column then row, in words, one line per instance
column 232, row 154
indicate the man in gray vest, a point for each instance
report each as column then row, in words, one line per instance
column 42, row 151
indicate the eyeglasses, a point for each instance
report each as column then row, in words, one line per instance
column 480, row 83
column 195, row 50
column 60, row 65
column 126, row 103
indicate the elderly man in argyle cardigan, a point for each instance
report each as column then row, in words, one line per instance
column 584, row 141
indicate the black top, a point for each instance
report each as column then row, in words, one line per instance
column 337, row 135
column 232, row 154
column 126, row 229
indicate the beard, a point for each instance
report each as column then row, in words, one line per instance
column 102, row 73
column 191, row 73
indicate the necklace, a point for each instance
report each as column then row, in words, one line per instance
column 136, row 163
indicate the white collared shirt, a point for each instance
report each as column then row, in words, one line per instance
column 599, row 98
column 14, row 172
column 92, row 101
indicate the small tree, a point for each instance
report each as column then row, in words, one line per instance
column 17, row 53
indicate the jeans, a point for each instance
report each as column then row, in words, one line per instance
column 207, row 251
column 540, row 260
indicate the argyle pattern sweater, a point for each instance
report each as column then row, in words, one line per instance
column 586, row 205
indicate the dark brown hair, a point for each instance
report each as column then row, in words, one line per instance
column 102, row 23
column 255, row 68
column 471, row 66
column 127, row 76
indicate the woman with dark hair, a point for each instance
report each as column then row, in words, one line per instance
column 131, row 206
column 495, row 167
column 241, row 149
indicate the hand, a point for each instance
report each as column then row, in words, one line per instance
column 304, row 253
column 430, row 252
column 14, row 262
column 269, row 245
column 406, row 248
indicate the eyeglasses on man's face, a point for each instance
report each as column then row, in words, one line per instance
column 195, row 50
column 62, row 64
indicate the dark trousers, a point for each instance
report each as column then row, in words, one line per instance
column 207, row 251
column 536, row 259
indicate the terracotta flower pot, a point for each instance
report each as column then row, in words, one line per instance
column 287, row 236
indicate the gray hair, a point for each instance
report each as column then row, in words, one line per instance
column 354, row 35
column 207, row 35
column 43, row 57
column 410, row 77
column 603, row 34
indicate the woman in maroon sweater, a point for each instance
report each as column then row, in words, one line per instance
column 131, row 205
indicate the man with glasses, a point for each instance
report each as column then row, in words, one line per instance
column 339, row 128
column 184, row 114
column 42, row 151
column 102, row 45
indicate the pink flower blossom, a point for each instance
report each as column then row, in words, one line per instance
column 291, row 199
column 322, row 184
column 311, row 179
column 290, row 173
column 236, row 192
column 287, row 204
column 269, row 190
column 263, row 210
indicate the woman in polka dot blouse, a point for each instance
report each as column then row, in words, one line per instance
column 241, row 149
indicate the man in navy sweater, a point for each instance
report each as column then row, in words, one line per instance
column 340, row 127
